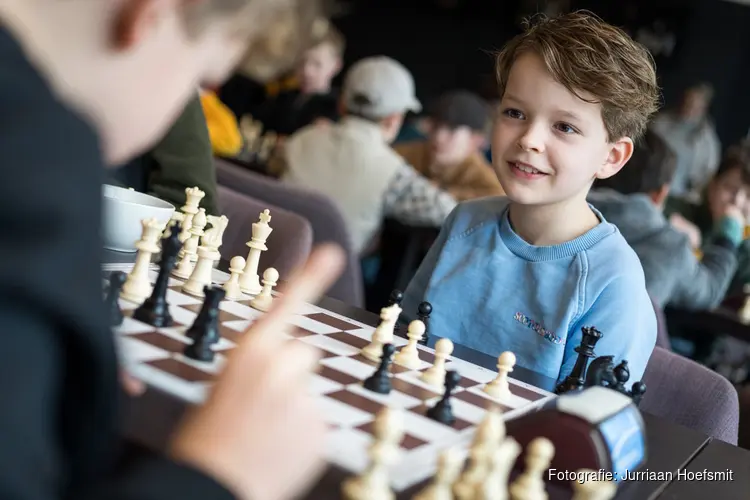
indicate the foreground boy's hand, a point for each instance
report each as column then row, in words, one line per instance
column 259, row 433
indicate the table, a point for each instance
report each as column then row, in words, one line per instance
column 717, row 456
column 150, row 419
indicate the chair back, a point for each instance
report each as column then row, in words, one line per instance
column 689, row 394
column 289, row 244
column 324, row 217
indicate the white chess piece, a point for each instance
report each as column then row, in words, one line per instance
column 593, row 489
column 489, row 433
column 189, row 252
column 374, row 483
column 213, row 237
column 408, row 356
column 193, row 197
column 232, row 286
column 502, row 459
column 435, row 375
column 383, row 334
column 263, row 301
column 448, row 470
column 203, row 271
column 250, row 281
column 500, row 388
column 137, row 287
column 530, row 484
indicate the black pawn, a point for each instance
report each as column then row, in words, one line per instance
column 206, row 324
column 200, row 350
column 380, row 381
column 116, row 282
column 575, row 381
column 622, row 375
column 423, row 314
column 443, row 410
column 155, row 309
column 637, row 392
column 397, row 296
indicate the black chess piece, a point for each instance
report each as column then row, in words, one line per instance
column 155, row 309
column 637, row 392
column 601, row 372
column 443, row 410
column 577, row 377
column 397, row 296
column 380, row 381
column 622, row 375
column 116, row 282
column 423, row 314
column 201, row 349
column 206, row 324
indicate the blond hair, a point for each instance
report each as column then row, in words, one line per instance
column 587, row 55
column 288, row 29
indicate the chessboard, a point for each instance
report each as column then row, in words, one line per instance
column 156, row 356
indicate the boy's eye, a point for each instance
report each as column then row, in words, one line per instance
column 566, row 128
column 513, row 113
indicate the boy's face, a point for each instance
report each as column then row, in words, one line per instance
column 727, row 190
column 157, row 68
column 451, row 146
column 548, row 145
column 318, row 67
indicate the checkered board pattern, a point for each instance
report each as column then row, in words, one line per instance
column 155, row 356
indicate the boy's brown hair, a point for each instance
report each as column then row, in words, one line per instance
column 587, row 55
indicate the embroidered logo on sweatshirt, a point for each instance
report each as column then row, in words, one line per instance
column 539, row 329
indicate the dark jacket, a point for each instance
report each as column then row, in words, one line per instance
column 58, row 424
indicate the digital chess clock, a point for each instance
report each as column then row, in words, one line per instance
column 598, row 429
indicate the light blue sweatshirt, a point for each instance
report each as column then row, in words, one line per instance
column 493, row 292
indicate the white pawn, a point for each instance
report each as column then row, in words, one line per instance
column 530, row 484
column 448, row 470
column 408, row 356
column 435, row 375
column 500, row 388
column 593, row 489
column 263, row 301
column 232, row 286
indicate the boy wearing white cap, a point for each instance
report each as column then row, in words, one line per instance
column 353, row 163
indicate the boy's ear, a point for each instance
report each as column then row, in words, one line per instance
column 134, row 18
column 620, row 152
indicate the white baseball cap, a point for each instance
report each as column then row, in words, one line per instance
column 378, row 86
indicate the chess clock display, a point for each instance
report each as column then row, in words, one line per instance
column 597, row 428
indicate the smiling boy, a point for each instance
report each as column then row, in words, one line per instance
column 525, row 272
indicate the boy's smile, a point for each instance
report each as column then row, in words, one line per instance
column 548, row 143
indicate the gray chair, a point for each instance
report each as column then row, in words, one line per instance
column 289, row 244
column 327, row 223
column 689, row 394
